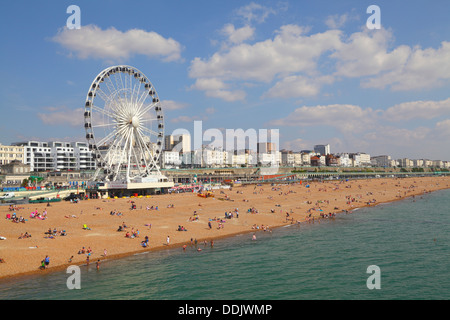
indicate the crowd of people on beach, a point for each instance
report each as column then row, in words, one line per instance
column 51, row 234
column 25, row 235
column 115, row 213
column 14, row 218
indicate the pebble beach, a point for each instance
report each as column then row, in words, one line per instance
column 87, row 231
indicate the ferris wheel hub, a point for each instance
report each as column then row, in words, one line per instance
column 135, row 121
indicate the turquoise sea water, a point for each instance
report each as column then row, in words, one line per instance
column 408, row 240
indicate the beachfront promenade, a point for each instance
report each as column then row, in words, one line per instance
column 279, row 174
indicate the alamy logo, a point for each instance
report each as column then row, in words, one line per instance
column 374, row 21
column 74, row 280
column 74, row 21
column 374, row 281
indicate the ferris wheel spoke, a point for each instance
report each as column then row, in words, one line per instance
column 129, row 154
column 140, row 113
column 148, row 120
column 110, row 85
column 152, row 160
column 104, row 112
column 135, row 95
column 104, row 125
column 145, row 150
column 106, row 98
column 105, row 139
column 141, row 101
column 149, row 131
column 114, row 94
column 118, row 84
column 137, row 158
column 122, row 155
column 114, row 150
column 141, row 144
column 109, row 99
column 121, row 80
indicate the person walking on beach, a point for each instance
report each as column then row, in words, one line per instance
column 46, row 261
column 98, row 264
column 168, row 240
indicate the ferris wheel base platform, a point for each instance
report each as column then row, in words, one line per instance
column 124, row 188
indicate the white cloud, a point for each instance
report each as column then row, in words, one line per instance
column 255, row 12
column 343, row 117
column 226, row 95
column 173, row 105
column 371, row 54
column 336, row 21
column 418, row 69
column 368, row 130
column 296, row 60
column 210, row 110
column 186, row 119
column 298, row 86
column 236, row 36
column 290, row 52
column 443, row 128
column 366, row 53
column 418, row 110
column 296, row 144
column 216, row 88
column 62, row 116
column 92, row 42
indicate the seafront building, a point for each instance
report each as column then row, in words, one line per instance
column 76, row 156
column 322, row 149
column 9, row 154
column 57, row 156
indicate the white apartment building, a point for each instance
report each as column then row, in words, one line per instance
column 418, row 163
column 297, row 159
column 438, row 164
column 322, row 149
column 171, row 159
column 360, row 159
column 269, row 159
column 345, row 160
column 427, row 163
column 381, row 161
column 57, row 156
column 11, row 153
column 306, row 159
column 405, row 163
column 287, row 158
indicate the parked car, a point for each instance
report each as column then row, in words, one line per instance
column 8, row 195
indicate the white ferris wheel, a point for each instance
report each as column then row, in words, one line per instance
column 124, row 124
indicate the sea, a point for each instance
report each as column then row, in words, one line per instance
column 392, row 251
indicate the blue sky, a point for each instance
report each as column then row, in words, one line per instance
column 311, row 69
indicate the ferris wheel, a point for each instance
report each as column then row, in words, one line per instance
column 124, row 124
